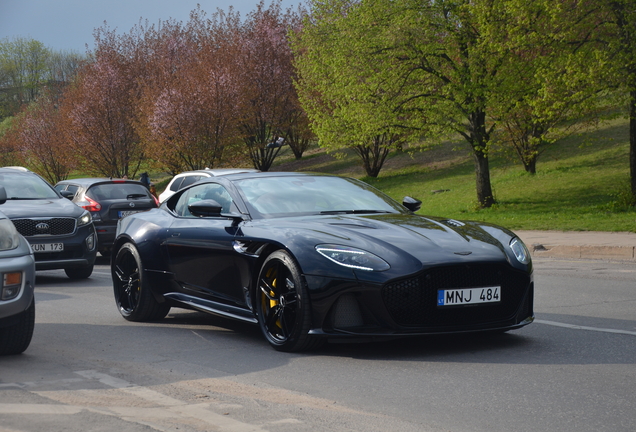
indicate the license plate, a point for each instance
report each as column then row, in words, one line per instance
column 47, row 247
column 458, row 297
column 125, row 213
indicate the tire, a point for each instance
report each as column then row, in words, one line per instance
column 16, row 338
column 133, row 296
column 79, row 272
column 282, row 304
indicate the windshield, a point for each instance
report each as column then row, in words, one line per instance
column 118, row 191
column 26, row 187
column 301, row 195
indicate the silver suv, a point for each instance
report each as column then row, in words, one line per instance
column 17, row 275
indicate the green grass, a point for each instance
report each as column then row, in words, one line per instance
column 581, row 182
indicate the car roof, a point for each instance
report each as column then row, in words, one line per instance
column 89, row 181
column 257, row 174
column 218, row 171
column 16, row 170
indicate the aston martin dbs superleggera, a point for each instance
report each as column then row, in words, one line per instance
column 310, row 257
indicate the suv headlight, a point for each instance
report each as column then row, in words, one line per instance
column 353, row 258
column 84, row 219
column 9, row 237
column 520, row 250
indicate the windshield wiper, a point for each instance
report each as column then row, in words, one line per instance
column 327, row 212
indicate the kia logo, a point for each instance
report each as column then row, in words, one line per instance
column 42, row 226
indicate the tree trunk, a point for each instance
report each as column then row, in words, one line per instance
column 632, row 142
column 482, row 172
column 530, row 165
column 478, row 138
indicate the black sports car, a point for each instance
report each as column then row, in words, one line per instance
column 310, row 257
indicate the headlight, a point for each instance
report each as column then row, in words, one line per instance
column 520, row 250
column 353, row 258
column 9, row 238
column 84, row 219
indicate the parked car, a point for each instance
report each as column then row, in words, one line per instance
column 310, row 257
column 108, row 200
column 17, row 276
column 187, row 178
column 61, row 234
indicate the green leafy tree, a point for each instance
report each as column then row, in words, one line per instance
column 23, row 72
column 435, row 64
column 351, row 94
column 553, row 74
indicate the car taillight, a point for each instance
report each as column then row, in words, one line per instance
column 90, row 204
column 156, row 200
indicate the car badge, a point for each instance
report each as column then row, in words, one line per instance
column 42, row 226
column 462, row 253
column 132, row 204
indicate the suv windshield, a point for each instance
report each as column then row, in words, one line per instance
column 26, row 187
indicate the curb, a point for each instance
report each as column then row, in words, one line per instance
column 611, row 253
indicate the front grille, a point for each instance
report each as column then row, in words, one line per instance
column 413, row 302
column 45, row 226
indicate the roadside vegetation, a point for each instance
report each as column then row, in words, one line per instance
column 581, row 185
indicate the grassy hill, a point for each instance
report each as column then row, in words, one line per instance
column 581, row 182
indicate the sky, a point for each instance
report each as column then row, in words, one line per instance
column 68, row 25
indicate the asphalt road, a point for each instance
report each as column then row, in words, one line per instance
column 88, row 369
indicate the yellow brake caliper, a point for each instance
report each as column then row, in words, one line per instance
column 273, row 303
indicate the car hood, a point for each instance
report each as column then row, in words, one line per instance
column 17, row 209
column 408, row 239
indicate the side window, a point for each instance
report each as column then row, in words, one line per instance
column 67, row 187
column 188, row 180
column 176, row 185
column 212, row 191
column 72, row 188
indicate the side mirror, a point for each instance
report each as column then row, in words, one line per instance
column 3, row 195
column 67, row 194
column 411, row 203
column 206, row 207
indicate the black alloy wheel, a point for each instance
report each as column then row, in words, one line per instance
column 132, row 294
column 282, row 304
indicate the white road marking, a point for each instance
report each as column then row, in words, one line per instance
column 578, row 327
column 164, row 407
column 176, row 407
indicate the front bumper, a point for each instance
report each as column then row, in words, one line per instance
column 77, row 250
column 408, row 306
column 15, row 306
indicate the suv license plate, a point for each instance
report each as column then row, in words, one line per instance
column 125, row 213
column 459, row 297
column 47, row 247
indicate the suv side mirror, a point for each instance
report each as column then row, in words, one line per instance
column 3, row 195
column 68, row 194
